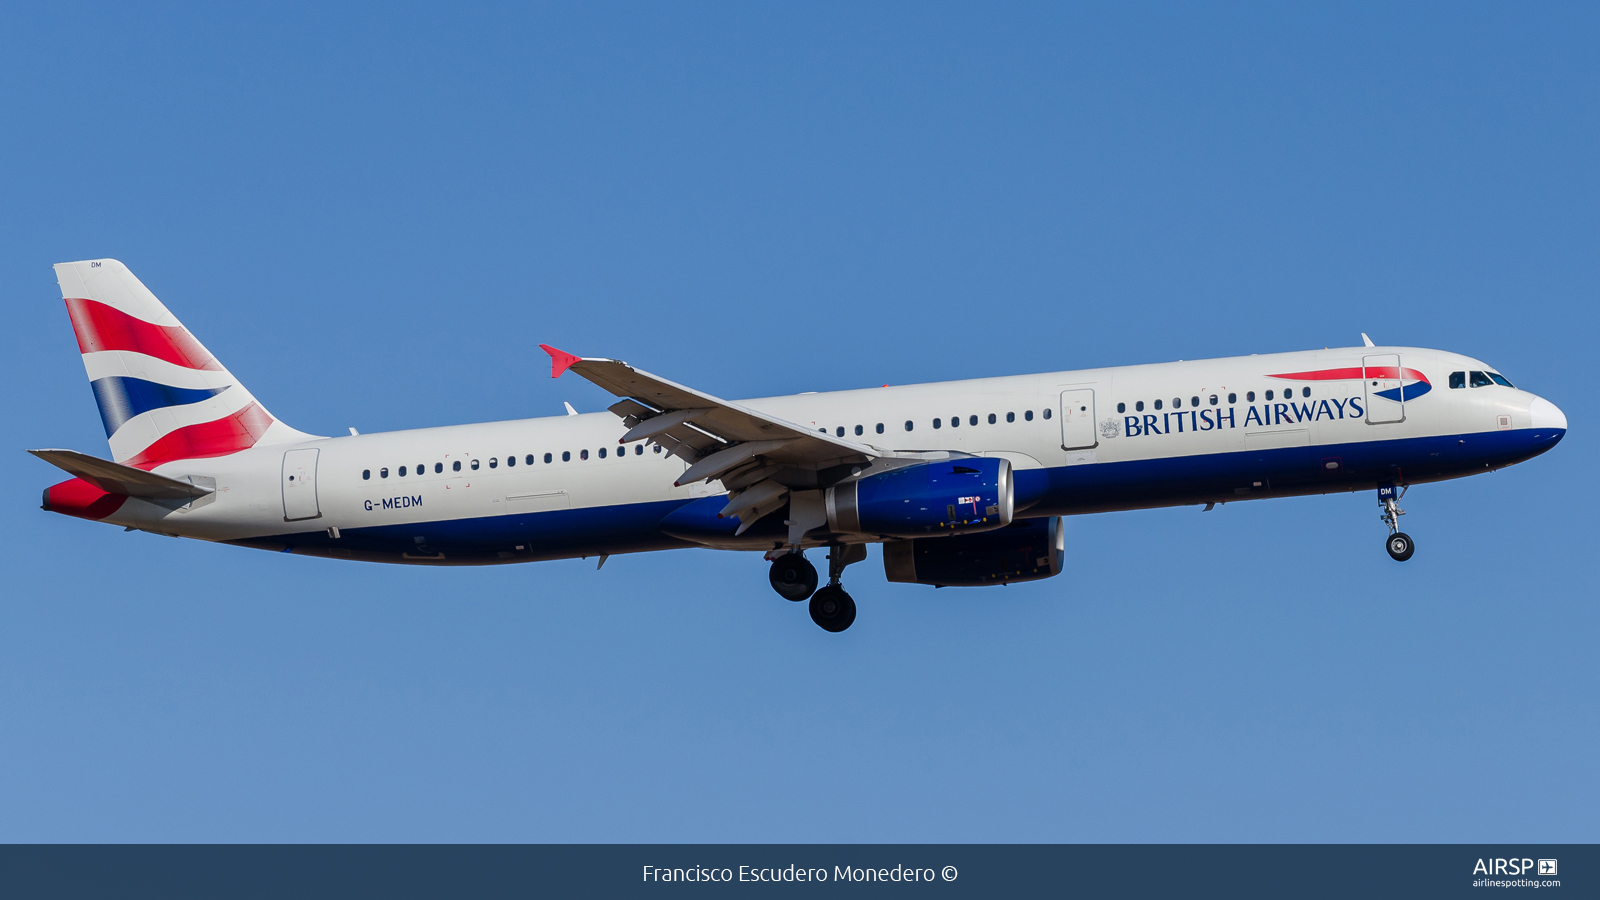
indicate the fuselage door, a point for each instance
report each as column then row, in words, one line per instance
column 1381, row 381
column 300, row 485
column 1077, row 420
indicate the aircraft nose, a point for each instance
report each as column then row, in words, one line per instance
column 1546, row 414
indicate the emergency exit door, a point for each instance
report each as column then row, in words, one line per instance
column 1077, row 420
column 300, row 485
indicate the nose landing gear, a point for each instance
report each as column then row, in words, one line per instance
column 1399, row 544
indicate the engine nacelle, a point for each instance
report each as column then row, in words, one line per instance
column 1027, row 550
column 952, row 496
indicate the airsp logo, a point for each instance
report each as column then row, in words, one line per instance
column 1512, row 867
column 1110, row 428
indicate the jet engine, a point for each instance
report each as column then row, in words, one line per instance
column 1026, row 550
column 951, row 496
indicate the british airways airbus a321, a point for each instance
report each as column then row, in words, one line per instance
column 963, row 482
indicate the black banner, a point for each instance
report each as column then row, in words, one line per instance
column 813, row 870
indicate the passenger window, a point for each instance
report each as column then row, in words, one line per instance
column 991, row 418
column 1478, row 379
column 1233, row 398
column 840, row 432
column 1305, row 392
column 383, row 473
column 655, row 448
column 1195, row 401
column 422, row 469
column 955, row 421
column 1139, row 407
column 402, row 471
column 1213, row 399
column 880, row 428
column 1250, row 397
column 938, row 423
column 638, row 449
column 455, row 466
column 1458, row 380
column 548, row 458
column 1269, row 395
column 1499, row 379
column 583, row 454
column 1027, row 415
column 602, row 453
column 494, row 462
column 566, row 456
column 1011, row 417
column 1158, row 404
column 511, row 461
column 438, row 468
column 1047, row 413
column 366, row 474
column 1122, row 407
column 528, row 459
column 860, row 430
column 1177, row 403
column 474, row 465
column 972, row 420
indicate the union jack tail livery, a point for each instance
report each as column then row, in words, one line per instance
column 162, row 395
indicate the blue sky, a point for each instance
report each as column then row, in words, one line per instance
column 374, row 216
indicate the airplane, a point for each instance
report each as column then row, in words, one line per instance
column 964, row 483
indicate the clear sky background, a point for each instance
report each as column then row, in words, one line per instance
column 375, row 215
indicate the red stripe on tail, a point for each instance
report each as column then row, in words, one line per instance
column 100, row 327
column 239, row 431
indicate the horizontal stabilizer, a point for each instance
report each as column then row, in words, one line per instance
column 116, row 478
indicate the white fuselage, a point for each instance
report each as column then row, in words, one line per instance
column 483, row 488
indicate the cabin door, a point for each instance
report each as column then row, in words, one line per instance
column 300, row 485
column 1077, row 420
column 1383, row 388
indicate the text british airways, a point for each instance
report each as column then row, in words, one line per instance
column 1179, row 421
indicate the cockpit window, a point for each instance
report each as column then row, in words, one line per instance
column 1478, row 379
column 1500, row 379
column 1458, row 380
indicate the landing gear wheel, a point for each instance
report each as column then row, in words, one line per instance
column 1400, row 546
column 832, row 609
column 792, row 577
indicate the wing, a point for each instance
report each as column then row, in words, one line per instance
column 756, row 456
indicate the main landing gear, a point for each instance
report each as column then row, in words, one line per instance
column 832, row 608
column 1399, row 544
column 796, row 579
column 792, row 577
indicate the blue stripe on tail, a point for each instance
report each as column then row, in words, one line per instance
column 120, row 399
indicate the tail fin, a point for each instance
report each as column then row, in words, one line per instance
column 162, row 395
